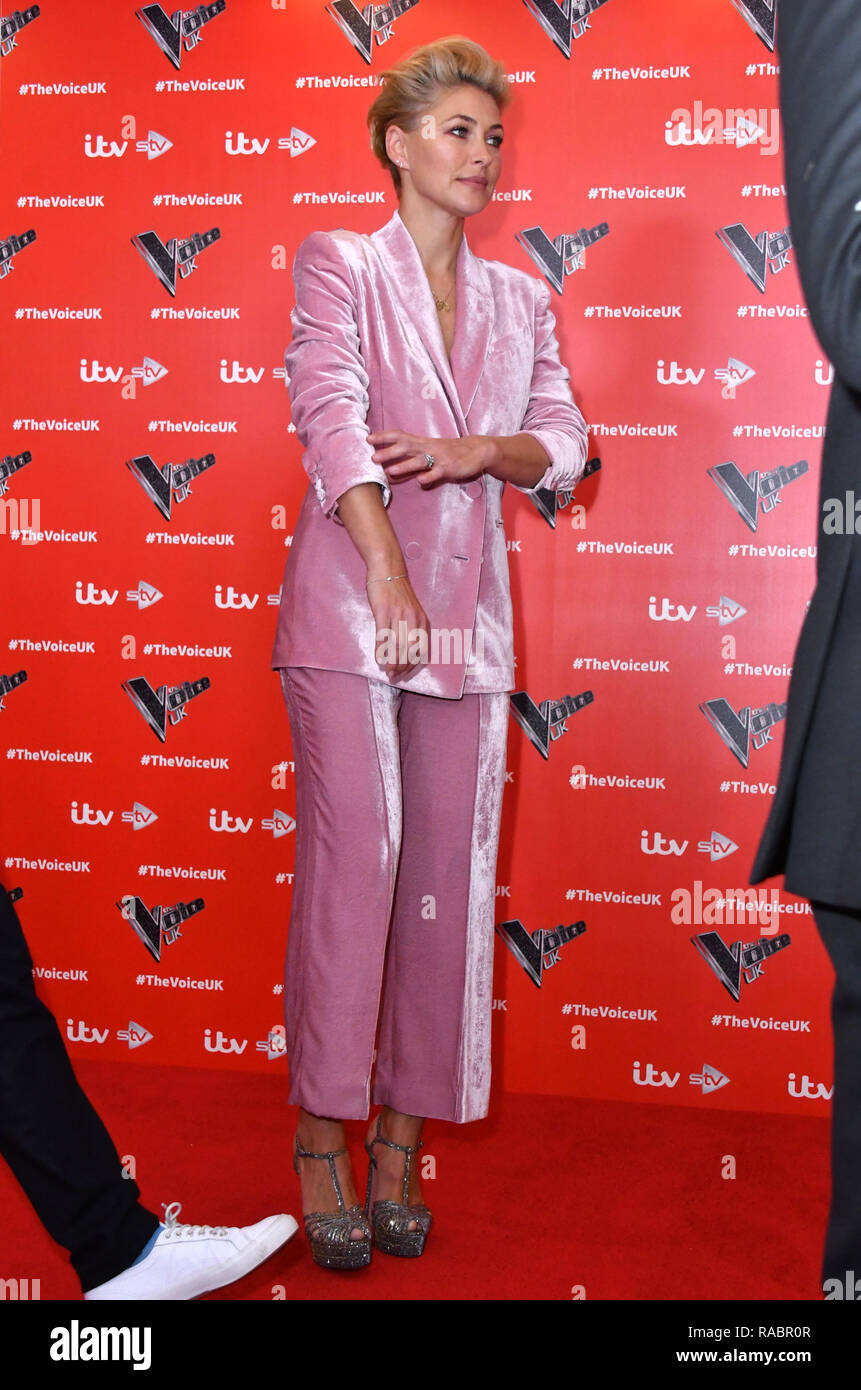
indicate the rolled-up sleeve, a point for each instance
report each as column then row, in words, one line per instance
column 326, row 377
column 551, row 415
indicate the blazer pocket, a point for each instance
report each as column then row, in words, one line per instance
column 507, row 342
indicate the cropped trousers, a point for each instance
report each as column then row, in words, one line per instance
column 391, row 935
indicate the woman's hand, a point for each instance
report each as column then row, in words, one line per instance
column 455, row 460
column 402, row 634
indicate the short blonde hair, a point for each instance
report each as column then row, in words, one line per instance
column 414, row 84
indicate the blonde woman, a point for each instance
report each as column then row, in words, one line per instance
column 422, row 379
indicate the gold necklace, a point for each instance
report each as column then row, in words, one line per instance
column 442, row 304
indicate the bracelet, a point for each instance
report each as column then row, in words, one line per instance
column 385, row 579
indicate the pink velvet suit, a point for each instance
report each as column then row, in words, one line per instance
column 399, row 783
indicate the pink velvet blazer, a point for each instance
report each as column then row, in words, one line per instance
column 367, row 353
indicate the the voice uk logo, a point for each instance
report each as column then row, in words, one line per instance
column 11, row 26
column 564, row 254
column 165, row 702
column 539, row 950
column 566, row 22
column 758, row 256
column 549, row 503
column 739, row 730
column 755, row 493
column 365, row 26
column 761, row 16
column 547, row 721
column 165, row 259
column 180, row 30
column 12, row 682
column 10, row 246
column 172, row 483
column 157, row 926
column 738, row 960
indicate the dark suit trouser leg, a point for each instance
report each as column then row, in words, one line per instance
column 841, row 932
column 51, row 1136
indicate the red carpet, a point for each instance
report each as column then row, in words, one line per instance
column 547, row 1194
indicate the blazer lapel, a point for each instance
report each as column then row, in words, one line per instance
column 474, row 311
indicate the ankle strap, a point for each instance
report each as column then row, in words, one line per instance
column 390, row 1144
column 306, row 1153
column 330, row 1156
column 407, row 1149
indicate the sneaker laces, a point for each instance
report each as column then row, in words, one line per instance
column 180, row 1229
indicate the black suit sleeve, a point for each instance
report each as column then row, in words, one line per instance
column 819, row 49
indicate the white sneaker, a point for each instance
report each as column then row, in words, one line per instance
column 190, row 1260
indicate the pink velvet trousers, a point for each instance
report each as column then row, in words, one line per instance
column 398, row 804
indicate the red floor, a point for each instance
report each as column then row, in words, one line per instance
column 549, row 1193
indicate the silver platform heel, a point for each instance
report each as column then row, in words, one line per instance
column 328, row 1232
column 390, row 1220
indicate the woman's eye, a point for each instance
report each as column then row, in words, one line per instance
column 495, row 139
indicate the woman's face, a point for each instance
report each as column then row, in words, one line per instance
column 454, row 155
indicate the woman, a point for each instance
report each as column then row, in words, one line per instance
column 400, row 744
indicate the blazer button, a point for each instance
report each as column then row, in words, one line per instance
column 412, row 549
column 474, row 489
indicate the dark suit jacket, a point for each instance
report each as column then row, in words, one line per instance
column 813, row 833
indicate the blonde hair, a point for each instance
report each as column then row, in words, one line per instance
column 414, row 84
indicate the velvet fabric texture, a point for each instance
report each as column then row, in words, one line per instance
column 398, row 807
column 367, row 354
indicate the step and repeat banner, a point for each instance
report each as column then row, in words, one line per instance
column 160, row 169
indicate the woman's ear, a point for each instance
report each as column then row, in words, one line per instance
column 395, row 146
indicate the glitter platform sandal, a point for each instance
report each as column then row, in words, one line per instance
column 391, row 1220
column 328, row 1233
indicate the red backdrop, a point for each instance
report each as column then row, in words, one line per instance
column 669, row 591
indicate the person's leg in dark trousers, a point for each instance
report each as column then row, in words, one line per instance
column 51, row 1136
column 840, row 930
